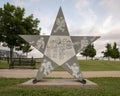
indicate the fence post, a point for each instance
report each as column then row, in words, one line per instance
column 20, row 61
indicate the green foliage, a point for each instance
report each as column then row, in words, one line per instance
column 115, row 51
column 85, row 53
column 26, row 48
column 92, row 51
column 9, row 87
column 12, row 23
column 89, row 51
column 107, row 52
column 111, row 51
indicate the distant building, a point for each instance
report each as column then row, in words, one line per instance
column 5, row 53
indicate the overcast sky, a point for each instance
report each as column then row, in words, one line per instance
column 83, row 17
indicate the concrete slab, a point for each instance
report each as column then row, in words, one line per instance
column 67, row 83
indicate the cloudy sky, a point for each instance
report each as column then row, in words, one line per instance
column 83, row 17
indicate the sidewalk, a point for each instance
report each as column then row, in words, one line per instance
column 31, row 73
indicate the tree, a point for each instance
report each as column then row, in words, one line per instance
column 119, row 56
column 107, row 52
column 85, row 52
column 26, row 49
column 92, row 51
column 111, row 51
column 115, row 51
column 89, row 51
column 12, row 23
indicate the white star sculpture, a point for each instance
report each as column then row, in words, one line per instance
column 59, row 49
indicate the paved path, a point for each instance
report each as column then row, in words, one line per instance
column 30, row 73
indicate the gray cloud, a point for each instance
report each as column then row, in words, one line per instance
column 113, row 35
column 111, row 5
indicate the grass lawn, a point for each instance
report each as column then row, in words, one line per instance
column 99, row 65
column 4, row 64
column 107, row 87
column 86, row 65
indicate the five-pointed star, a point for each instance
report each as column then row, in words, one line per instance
column 59, row 48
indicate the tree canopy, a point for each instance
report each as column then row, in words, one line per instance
column 107, row 52
column 111, row 51
column 89, row 51
column 13, row 22
column 115, row 51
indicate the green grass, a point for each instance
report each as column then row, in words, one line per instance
column 100, row 65
column 4, row 64
column 97, row 65
column 86, row 65
column 107, row 87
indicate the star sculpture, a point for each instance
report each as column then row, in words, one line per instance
column 59, row 49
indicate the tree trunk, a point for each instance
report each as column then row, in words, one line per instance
column 86, row 57
column 11, row 56
column 26, row 54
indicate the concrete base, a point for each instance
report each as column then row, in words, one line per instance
column 45, row 83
